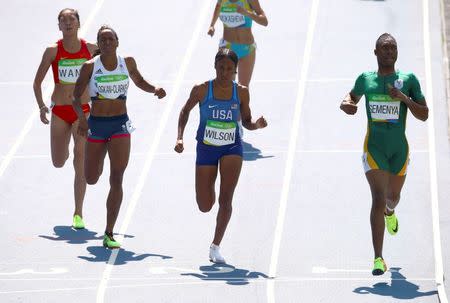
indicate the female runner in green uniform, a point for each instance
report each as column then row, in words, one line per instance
column 389, row 94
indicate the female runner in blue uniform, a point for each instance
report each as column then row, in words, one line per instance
column 219, row 147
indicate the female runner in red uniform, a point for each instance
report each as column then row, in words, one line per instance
column 66, row 57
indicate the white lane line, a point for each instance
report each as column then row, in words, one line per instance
column 262, row 152
column 446, row 61
column 439, row 269
column 18, row 83
column 208, row 281
column 320, row 80
column 227, row 277
column 46, row 95
column 6, row 160
column 291, row 150
column 53, row 271
column 193, row 81
column 326, row 80
column 158, row 278
column 90, row 18
column 152, row 151
column 325, row 270
column 186, row 81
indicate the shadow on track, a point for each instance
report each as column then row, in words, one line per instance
column 252, row 153
column 71, row 235
column 400, row 288
column 101, row 254
column 226, row 272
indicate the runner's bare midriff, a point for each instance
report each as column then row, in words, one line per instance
column 63, row 94
column 108, row 108
column 238, row 35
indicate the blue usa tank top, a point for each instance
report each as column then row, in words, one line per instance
column 219, row 119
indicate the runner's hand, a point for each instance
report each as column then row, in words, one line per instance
column 82, row 127
column 211, row 31
column 179, row 146
column 349, row 107
column 43, row 113
column 396, row 93
column 160, row 92
column 261, row 122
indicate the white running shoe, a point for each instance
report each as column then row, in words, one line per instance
column 214, row 254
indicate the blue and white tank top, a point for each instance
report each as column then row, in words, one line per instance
column 105, row 84
column 219, row 119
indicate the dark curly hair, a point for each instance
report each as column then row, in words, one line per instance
column 383, row 38
column 226, row 53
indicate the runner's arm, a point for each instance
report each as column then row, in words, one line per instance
column 258, row 14
column 92, row 48
column 197, row 94
column 215, row 16
column 246, row 115
column 80, row 87
column 351, row 97
column 349, row 104
column 140, row 82
column 47, row 59
column 418, row 108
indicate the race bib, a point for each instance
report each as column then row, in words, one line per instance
column 219, row 133
column 230, row 17
column 112, row 86
column 383, row 108
column 69, row 70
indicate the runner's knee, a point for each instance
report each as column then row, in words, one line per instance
column 91, row 176
column 59, row 162
column 92, row 179
column 227, row 206
column 116, row 178
column 378, row 201
column 225, row 200
column 205, row 204
column 394, row 197
column 205, row 207
column 78, row 160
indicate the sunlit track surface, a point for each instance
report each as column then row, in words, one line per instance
column 324, row 252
